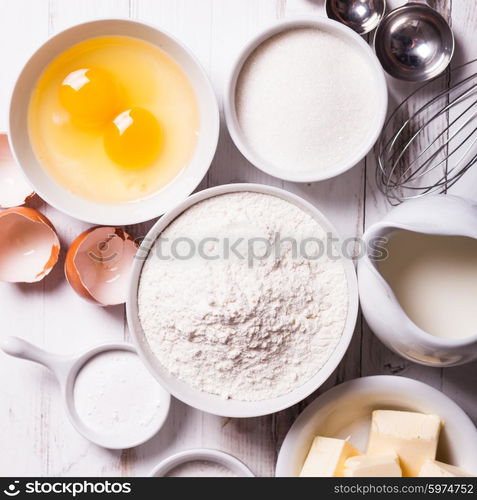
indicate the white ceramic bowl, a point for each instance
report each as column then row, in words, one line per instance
column 218, row 457
column 126, row 213
column 346, row 410
column 374, row 128
column 209, row 402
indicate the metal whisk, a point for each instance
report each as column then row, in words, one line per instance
column 427, row 148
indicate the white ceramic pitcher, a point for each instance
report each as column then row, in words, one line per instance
column 438, row 215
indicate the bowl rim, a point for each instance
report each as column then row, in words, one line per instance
column 230, row 114
column 214, row 404
column 131, row 216
column 207, row 454
column 389, row 383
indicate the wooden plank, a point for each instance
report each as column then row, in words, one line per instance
column 183, row 428
column 23, row 443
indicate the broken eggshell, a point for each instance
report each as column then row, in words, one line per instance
column 98, row 265
column 14, row 188
column 29, row 245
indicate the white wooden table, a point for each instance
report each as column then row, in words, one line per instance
column 35, row 436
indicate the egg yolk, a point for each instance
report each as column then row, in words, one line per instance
column 91, row 96
column 134, row 138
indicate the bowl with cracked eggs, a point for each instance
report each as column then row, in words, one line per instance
column 113, row 121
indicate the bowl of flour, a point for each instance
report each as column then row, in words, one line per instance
column 241, row 303
column 305, row 100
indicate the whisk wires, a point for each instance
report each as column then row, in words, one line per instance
column 428, row 149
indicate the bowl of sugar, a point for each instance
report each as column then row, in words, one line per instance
column 305, row 100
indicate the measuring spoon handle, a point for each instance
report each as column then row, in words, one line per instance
column 19, row 348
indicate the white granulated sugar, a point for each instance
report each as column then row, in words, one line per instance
column 305, row 100
column 242, row 328
column 200, row 468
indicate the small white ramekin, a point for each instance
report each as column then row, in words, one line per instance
column 219, row 457
column 211, row 403
column 380, row 99
column 104, row 213
column 345, row 412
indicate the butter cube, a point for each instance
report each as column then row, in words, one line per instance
column 327, row 456
column 412, row 436
column 433, row 468
column 373, row 466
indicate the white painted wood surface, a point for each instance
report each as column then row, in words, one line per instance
column 35, row 436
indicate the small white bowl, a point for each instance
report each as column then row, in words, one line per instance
column 209, row 455
column 345, row 411
column 233, row 125
column 212, row 403
column 125, row 213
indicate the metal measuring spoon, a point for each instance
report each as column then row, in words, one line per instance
column 361, row 16
column 414, row 42
column 66, row 369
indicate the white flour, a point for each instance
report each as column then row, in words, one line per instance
column 304, row 100
column 243, row 330
column 200, row 468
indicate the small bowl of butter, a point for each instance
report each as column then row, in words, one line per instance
column 380, row 426
column 113, row 121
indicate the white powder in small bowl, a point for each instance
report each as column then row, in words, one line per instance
column 200, row 468
column 115, row 396
column 242, row 328
column 305, row 100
